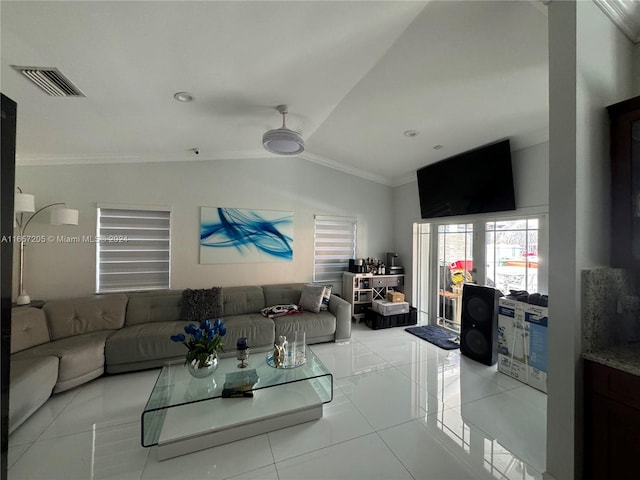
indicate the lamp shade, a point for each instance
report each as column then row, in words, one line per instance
column 24, row 202
column 64, row 216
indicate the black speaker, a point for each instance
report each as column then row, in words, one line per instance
column 479, row 336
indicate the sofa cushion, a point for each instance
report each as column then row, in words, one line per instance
column 81, row 357
column 281, row 294
column 202, row 304
column 258, row 330
column 154, row 307
column 315, row 325
column 311, row 297
column 144, row 342
column 28, row 328
column 32, row 380
column 84, row 315
column 242, row 300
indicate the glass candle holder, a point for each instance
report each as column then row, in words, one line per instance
column 242, row 353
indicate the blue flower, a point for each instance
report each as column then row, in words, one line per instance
column 218, row 327
column 205, row 325
column 191, row 329
column 205, row 339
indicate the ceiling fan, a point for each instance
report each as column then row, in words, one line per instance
column 283, row 141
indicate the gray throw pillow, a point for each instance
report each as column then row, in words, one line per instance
column 311, row 297
column 203, row 304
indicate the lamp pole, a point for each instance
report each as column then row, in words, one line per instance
column 23, row 296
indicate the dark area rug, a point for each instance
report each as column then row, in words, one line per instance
column 436, row 335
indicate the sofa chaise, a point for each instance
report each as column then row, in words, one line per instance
column 73, row 341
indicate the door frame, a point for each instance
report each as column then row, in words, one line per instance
column 478, row 253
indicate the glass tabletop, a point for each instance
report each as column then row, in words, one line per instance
column 175, row 387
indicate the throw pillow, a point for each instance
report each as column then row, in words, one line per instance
column 280, row 310
column 202, row 304
column 311, row 297
column 325, row 297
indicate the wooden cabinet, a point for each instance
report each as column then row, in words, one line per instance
column 611, row 423
column 625, row 183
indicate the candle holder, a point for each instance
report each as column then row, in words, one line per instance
column 242, row 352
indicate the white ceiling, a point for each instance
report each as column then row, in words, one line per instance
column 355, row 75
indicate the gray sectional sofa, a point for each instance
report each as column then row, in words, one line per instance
column 70, row 342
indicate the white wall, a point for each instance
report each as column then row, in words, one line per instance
column 530, row 183
column 590, row 67
column 406, row 210
column 56, row 270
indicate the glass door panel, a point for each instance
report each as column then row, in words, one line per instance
column 512, row 255
column 455, row 264
column 422, row 271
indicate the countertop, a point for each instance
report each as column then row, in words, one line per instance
column 624, row 357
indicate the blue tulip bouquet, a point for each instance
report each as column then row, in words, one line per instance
column 204, row 342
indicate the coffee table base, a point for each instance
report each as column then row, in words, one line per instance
column 202, row 425
column 200, row 441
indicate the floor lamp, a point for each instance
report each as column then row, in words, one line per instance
column 24, row 204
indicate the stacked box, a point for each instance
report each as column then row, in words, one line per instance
column 522, row 342
column 384, row 307
column 395, row 296
column 537, row 320
column 375, row 320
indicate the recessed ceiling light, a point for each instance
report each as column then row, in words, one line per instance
column 183, row 96
column 437, row 147
column 411, row 133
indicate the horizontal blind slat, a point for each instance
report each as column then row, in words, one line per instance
column 134, row 252
column 334, row 244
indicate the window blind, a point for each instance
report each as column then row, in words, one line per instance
column 334, row 245
column 133, row 249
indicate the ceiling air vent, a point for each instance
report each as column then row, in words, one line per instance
column 51, row 81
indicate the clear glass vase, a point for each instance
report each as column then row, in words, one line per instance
column 203, row 369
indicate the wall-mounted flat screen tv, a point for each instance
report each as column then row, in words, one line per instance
column 477, row 181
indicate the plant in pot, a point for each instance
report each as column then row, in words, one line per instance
column 202, row 346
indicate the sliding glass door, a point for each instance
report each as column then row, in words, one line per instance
column 512, row 254
column 503, row 253
column 455, row 266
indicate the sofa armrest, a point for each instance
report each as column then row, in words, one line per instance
column 342, row 310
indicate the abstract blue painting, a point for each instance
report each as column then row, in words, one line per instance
column 238, row 235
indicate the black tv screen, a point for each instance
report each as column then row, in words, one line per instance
column 477, row 181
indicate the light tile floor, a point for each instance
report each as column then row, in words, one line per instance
column 402, row 409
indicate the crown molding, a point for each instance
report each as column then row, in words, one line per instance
column 39, row 160
column 626, row 16
column 408, row 178
column 324, row 161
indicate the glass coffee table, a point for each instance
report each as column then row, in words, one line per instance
column 185, row 414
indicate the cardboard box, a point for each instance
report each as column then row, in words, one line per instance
column 522, row 342
column 389, row 308
column 395, row 297
column 536, row 320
